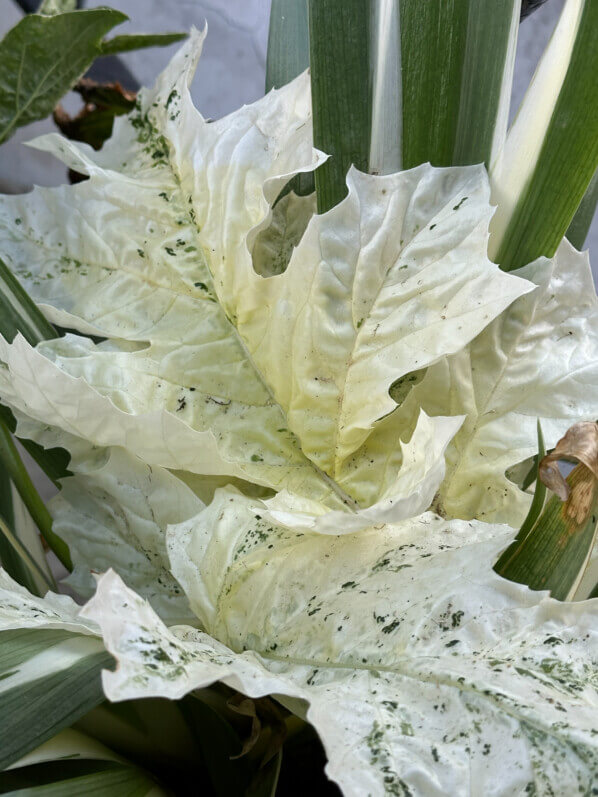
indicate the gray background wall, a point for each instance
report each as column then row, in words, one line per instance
column 231, row 71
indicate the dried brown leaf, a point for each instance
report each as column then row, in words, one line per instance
column 580, row 444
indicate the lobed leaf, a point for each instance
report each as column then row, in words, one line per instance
column 209, row 367
column 492, row 684
column 539, row 360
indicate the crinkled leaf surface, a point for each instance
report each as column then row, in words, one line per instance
column 424, row 671
column 538, row 360
column 113, row 513
column 208, row 366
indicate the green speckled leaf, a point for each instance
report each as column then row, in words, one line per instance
column 424, row 671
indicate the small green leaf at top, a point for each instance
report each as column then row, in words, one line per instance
column 42, row 57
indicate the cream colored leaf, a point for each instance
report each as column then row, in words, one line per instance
column 539, row 360
column 208, row 366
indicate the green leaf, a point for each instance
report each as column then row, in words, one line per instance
column 139, row 41
column 50, row 7
column 10, row 559
column 457, row 66
column 71, row 763
column 539, row 493
column 53, row 461
column 31, row 572
column 13, row 465
column 555, row 552
column 288, row 42
column 50, row 663
column 339, row 40
column 19, row 313
column 41, row 58
column 265, row 781
column 582, row 221
column 219, row 745
column 551, row 151
column 287, row 57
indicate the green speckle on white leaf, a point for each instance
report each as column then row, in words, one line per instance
column 319, row 381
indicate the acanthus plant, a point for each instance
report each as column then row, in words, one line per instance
column 290, row 440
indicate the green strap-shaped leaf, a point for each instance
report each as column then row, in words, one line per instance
column 18, row 313
column 25, row 569
column 41, row 58
column 582, row 221
column 10, row 559
column 287, row 57
column 13, row 466
column 339, row 40
column 73, row 763
column 53, row 461
column 139, row 41
column 457, row 66
column 288, row 42
column 48, row 679
column 551, row 152
column 101, row 780
column 554, row 554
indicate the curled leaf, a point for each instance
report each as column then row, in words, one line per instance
column 580, row 444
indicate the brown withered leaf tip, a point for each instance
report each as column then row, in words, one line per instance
column 580, row 444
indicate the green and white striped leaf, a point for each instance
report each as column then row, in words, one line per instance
column 551, row 151
column 73, row 763
column 457, row 70
column 21, row 553
column 18, row 313
column 50, row 663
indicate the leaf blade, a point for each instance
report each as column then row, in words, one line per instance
column 288, row 43
column 555, row 552
column 138, row 41
column 30, row 63
column 339, row 42
column 457, row 67
column 551, row 151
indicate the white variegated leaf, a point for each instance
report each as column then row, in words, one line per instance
column 539, row 360
column 424, row 672
column 209, row 367
column 113, row 512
